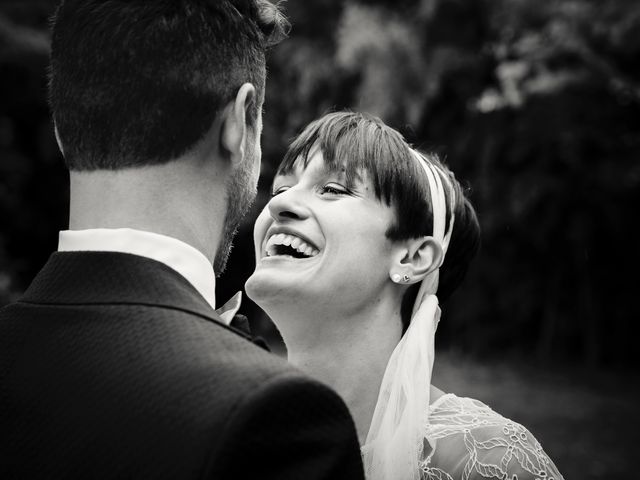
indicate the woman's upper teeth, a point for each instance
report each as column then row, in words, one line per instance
column 290, row 240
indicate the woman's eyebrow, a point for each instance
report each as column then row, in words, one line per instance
column 353, row 177
column 284, row 177
column 338, row 170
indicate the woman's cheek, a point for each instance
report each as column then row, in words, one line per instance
column 260, row 229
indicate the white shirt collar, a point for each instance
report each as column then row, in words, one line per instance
column 177, row 255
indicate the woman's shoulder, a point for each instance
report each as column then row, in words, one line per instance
column 450, row 411
column 470, row 440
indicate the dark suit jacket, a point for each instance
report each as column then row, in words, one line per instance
column 113, row 366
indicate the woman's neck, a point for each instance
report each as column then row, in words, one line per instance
column 349, row 354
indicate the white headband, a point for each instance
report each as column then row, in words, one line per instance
column 438, row 202
column 393, row 449
column 429, row 285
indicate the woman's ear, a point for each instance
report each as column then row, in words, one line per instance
column 233, row 130
column 415, row 259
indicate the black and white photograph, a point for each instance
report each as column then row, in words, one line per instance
column 319, row 239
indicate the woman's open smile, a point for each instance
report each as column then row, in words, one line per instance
column 281, row 241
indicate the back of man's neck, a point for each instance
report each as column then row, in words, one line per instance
column 144, row 200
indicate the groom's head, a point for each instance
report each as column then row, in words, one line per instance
column 139, row 83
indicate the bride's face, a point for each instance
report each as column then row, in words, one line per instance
column 319, row 242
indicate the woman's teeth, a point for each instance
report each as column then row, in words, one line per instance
column 276, row 244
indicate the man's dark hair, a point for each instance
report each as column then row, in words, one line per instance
column 357, row 142
column 139, row 82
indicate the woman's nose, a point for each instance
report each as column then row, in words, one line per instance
column 288, row 205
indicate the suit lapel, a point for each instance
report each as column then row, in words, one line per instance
column 109, row 278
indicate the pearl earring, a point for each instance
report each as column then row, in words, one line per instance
column 396, row 277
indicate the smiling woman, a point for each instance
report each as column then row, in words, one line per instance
column 360, row 236
column 313, row 210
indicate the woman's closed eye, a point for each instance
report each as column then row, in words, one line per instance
column 328, row 189
column 279, row 190
column 334, row 189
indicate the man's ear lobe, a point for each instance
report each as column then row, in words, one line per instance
column 417, row 259
column 234, row 126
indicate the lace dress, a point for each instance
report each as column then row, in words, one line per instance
column 474, row 442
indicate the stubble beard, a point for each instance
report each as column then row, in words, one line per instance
column 241, row 193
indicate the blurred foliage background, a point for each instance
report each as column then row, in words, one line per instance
column 533, row 104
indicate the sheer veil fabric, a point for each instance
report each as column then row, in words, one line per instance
column 394, row 447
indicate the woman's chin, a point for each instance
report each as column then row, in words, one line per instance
column 281, row 278
column 280, row 294
column 266, row 287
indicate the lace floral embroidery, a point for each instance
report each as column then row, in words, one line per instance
column 481, row 444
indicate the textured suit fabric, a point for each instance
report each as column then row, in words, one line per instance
column 113, row 366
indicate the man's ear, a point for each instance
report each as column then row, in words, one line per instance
column 415, row 259
column 233, row 132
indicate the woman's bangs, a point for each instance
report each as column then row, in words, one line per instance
column 358, row 146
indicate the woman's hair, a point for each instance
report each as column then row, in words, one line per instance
column 357, row 142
